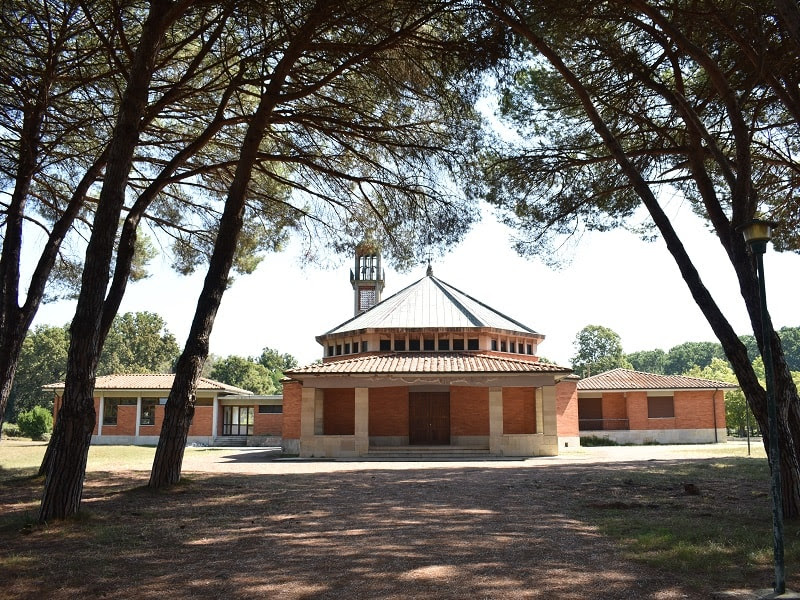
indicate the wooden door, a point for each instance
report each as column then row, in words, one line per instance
column 429, row 418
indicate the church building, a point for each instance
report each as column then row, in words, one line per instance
column 428, row 369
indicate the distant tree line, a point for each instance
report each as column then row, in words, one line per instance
column 137, row 343
column 681, row 358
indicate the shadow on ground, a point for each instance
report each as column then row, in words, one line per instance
column 445, row 533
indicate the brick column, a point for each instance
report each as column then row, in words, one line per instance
column 100, row 411
column 549, row 416
column 496, row 420
column 214, row 418
column 311, row 423
column 308, row 412
column 539, row 411
column 319, row 412
column 138, row 417
column 362, row 421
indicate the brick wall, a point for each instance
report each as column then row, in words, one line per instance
column 267, row 423
column 292, row 399
column 201, row 421
column 637, row 410
column 694, row 409
column 126, row 421
column 519, row 410
column 567, row 408
column 339, row 410
column 388, row 411
column 159, row 420
column 614, row 407
column 469, row 410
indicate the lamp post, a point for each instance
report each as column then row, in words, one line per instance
column 757, row 233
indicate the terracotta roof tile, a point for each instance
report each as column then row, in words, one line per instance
column 152, row 381
column 427, row 362
column 626, row 379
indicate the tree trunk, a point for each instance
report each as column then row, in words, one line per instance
column 178, row 414
column 167, row 463
column 9, row 359
column 65, row 459
column 65, row 463
column 12, row 246
column 790, row 466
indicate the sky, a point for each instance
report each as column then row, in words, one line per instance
column 614, row 279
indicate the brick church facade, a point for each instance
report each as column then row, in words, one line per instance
column 428, row 368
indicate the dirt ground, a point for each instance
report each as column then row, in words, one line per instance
column 247, row 524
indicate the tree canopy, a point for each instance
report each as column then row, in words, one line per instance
column 621, row 105
column 235, row 123
column 598, row 349
column 261, row 375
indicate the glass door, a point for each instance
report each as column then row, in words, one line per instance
column 238, row 420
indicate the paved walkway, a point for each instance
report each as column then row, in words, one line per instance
column 268, row 460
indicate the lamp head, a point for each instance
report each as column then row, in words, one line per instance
column 757, row 230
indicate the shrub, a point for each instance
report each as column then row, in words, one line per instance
column 11, row 430
column 35, row 423
column 593, row 440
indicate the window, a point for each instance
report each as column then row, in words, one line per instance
column 413, row 345
column 458, row 344
column 503, row 346
column 472, row 344
column 364, row 347
column 338, row 349
column 270, row 409
column 512, row 347
column 110, row 406
column 366, row 298
column 494, row 345
column 347, row 348
column 660, row 407
column 530, row 349
column 330, row 350
column 444, row 344
column 368, row 267
column 399, row 345
column 355, row 347
column 147, row 415
column 428, row 344
column 385, row 346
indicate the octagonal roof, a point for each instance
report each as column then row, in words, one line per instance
column 430, row 303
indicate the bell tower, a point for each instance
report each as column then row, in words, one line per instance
column 368, row 278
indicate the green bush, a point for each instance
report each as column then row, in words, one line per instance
column 11, row 430
column 35, row 423
column 593, row 440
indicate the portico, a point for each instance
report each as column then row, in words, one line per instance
column 497, row 413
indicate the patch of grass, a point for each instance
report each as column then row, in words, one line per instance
column 708, row 520
column 19, row 456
